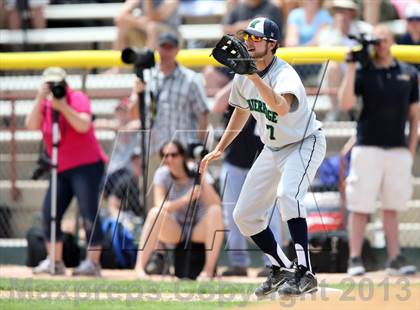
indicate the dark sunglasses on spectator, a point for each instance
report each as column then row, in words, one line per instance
column 170, row 155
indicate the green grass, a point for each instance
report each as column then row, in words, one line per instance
column 124, row 286
column 114, row 305
column 135, row 294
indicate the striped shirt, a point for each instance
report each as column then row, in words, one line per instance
column 180, row 100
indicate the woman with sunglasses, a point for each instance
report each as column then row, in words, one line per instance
column 168, row 223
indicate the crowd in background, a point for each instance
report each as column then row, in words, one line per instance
column 179, row 118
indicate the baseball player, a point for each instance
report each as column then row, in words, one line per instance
column 294, row 146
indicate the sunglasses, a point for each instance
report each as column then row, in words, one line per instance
column 170, row 155
column 255, row 38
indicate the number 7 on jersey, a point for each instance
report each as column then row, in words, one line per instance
column 271, row 128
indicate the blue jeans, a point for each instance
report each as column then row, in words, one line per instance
column 84, row 182
column 232, row 178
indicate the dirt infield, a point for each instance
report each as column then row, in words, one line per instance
column 378, row 299
column 12, row 271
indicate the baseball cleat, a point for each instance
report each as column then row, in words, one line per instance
column 276, row 277
column 304, row 281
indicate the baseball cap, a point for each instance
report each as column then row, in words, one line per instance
column 263, row 27
column 168, row 37
column 136, row 153
column 412, row 11
column 345, row 4
column 54, row 74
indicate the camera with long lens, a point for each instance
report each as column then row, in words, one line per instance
column 58, row 89
column 141, row 58
column 362, row 54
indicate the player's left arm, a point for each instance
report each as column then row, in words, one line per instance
column 278, row 103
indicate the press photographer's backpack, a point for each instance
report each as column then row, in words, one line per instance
column 37, row 250
column 189, row 262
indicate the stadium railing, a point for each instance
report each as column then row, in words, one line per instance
column 20, row 147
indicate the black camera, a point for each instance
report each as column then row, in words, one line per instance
column 58, row 89
column 43, row 166
column 141, row 58
column 362, row 54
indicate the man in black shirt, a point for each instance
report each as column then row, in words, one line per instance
column 382, row 159
column 125, row 195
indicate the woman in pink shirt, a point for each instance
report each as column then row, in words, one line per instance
column 80, row 167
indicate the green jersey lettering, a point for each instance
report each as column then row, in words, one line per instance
column 259, row 106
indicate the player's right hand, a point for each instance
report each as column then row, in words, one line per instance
column 213, row 155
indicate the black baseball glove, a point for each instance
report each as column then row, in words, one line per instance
column 231, row 52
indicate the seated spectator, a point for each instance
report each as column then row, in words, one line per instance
column 412, row 36
column 286, row 6
column 345, row 23
column 412, row 16
column 17, row 11
column 144, row 20
column 376, row 11
column 304, row 23
column 127, row 139
column 238, row 18
column 174, row 192
column 125, row 194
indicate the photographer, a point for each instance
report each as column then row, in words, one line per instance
column 80, row 165
column 180, row 105
column 382, row 159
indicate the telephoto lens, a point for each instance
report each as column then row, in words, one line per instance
column 58, row 89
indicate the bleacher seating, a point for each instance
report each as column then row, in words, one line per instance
column 206, row 25
column 203, row 23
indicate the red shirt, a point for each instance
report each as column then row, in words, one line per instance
column 74, row 148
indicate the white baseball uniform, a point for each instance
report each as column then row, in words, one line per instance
column 294, row 148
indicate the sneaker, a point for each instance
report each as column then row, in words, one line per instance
column 87, row 268
column 45, row 267
column 399, row 267
column 355, row 267
column 277, row 276
column 235, row 271
column 304, row 281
